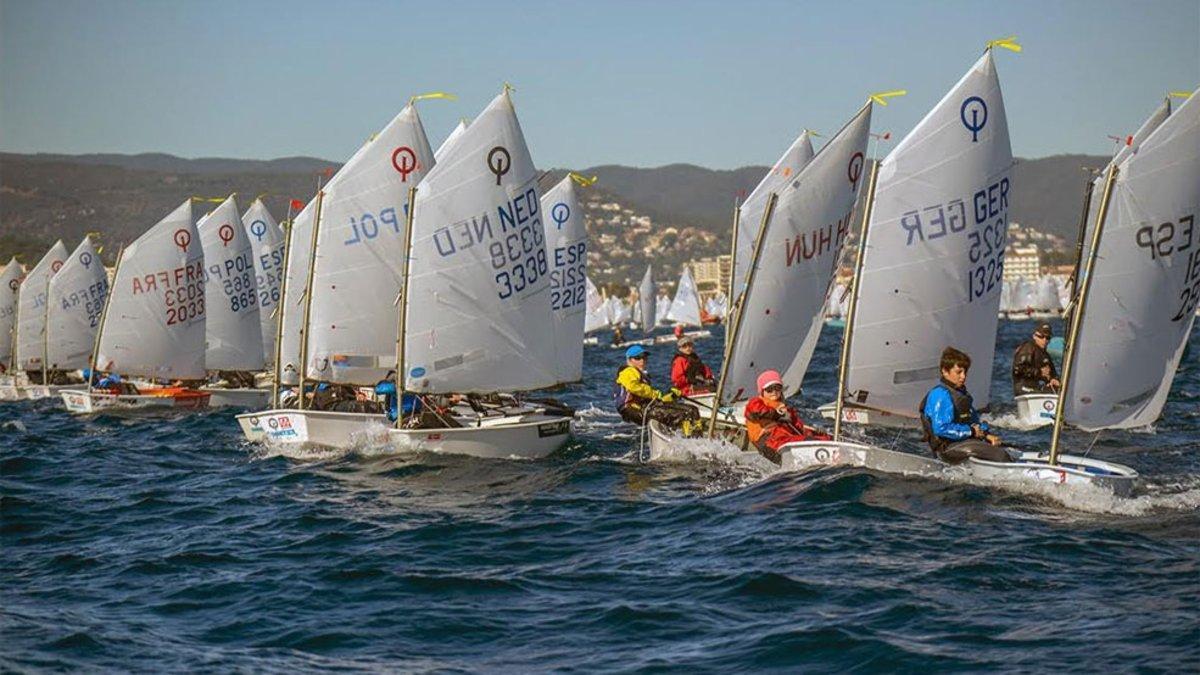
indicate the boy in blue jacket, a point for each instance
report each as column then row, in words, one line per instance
column 948, row 416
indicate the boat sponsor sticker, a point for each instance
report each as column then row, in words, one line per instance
column 285, row 427
column 554, row 428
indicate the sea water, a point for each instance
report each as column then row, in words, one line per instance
column 170, row 544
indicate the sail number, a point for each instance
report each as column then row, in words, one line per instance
column 567, row 285
column 92, row 299
column 1167, row 239
column 271, row 265
column 237, row 281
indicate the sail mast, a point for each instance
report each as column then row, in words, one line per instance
column 731, row 336
column 737, row 218
column 1077, row 316
column 280, row 308
column 103, row 315
column 848, row 332
column 402, row 320
column 308, row 294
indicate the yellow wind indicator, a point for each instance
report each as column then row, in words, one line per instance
column 260, row 195
column 431, row 95
column 508, row 87
column 810, row 132
column 1009, row 43
column 881, row 97
column 1179, row 94
column 583, row 180
column 210, row 200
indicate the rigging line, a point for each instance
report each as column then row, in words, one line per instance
column 1092, row 444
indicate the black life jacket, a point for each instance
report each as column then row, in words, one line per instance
column 694, row 371
column 622, row 396
column 963, row 403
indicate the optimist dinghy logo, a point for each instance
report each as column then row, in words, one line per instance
column 404, row 161
column 13, row 285
column 560, row 213
column 182, row 239
column 226, row 234
column 854, row 170
column 258, row 228
column 56, row 266
column 974, row 116
column 499, row 161
column 85, row 259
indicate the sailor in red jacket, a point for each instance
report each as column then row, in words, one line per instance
column 771, row 423
column 688, row 373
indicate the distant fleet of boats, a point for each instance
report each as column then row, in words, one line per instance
column 426, row 300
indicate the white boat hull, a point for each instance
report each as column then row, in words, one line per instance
column 36, row 392
column 1036, row 410
column 528, row 435
column 859, row 414
column 83, row 402
column 735, row 414
column 251, row 399
column 1027, row 469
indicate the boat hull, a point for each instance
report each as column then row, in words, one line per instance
column 529, row 435
column 250, row 399
column 83, row 402
column 37, row 392
column 1036, row 410
column 853, row 413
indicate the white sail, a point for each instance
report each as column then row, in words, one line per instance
column 785, row 171
column 10, row 284
column 293, row 292
column 154, row 326
column 1146, row 282
column 619, row 312
column 77, row 296
column 1046, row 295
column 646, row 317
column 31, row 308
column 783, row 311
column 934, row 253
column 360, row 255
column 685, row 308
column 662, row 305
column 232, row 326
column 478, row 312
column 597, row 309
column 566, row 246
column 1130, row 147
column 266, row 241
column 451, row 140
column 835, row 305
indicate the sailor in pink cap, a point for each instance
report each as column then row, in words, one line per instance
column 771, row 422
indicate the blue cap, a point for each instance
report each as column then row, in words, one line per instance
column 636, row 350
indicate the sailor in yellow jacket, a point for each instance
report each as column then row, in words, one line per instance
column 637, row 400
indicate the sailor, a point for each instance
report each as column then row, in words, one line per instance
column 387, row 389
column 618, row 336
column 948, row 417
column 688, row 373
column 637, row 401
column 678, row 330
column 772, row 423
column 1033, row 371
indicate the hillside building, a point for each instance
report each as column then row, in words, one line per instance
column 1022, row 261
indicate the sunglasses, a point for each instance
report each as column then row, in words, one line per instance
column 775, row 388
column 638, row 358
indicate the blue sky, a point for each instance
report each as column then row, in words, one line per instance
column 719, row 84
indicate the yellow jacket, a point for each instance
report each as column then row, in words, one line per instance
column 636, row 389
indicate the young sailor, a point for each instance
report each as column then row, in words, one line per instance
column 688, row 372
column 637, row 401
column 771, row 423
column 1033, row 371
column 949, row 419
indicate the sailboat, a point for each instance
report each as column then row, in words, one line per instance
column 1140, row 284
column 646, row 316
column 596, row 316
column 566, row 247
column 451, row 139
column 267, row 244
column 233, row 325
column 777, row 319
column 1041, row 409
column 32, row 305
column 153, row 321
column 933, row 258
column 685, row 307
column 662, row 305
column 979, row 89
column 475, row 314
column 342, row 282
column 10, row 284
column 76, row 298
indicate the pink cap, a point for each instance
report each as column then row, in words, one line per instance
column 769, row 378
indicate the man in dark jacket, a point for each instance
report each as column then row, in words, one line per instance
column 1033, row 371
